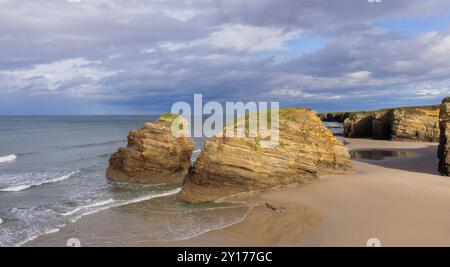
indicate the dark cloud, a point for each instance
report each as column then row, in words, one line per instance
column 131, row 56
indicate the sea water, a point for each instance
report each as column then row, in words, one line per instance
column 52, row 171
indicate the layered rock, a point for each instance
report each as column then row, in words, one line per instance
column 444, row 140
column 233, row 165
column 153, row 154
column 406, row 123
column 421, row 124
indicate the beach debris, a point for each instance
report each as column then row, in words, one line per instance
column 280, row 209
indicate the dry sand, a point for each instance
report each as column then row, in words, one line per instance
column 400, row 201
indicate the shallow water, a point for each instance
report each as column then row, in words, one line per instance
column 379, row 154
column 335, row 127
column 58, row 174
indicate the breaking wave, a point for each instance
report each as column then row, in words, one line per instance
column 8, row 158
column 21, row 187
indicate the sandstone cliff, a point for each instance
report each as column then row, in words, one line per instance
column 406, row 123
column 444, row 140
column 153, row 155
column 421, row 124
column 229, row 166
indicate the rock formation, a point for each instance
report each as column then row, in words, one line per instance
column 233, row 165
column 335, row 116
column 406, row 123
column 421, row 124
column 153, row 155
column 444, row 140
column 358, row 125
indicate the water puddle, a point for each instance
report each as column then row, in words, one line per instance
column 379, row 154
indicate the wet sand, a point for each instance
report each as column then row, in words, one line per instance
column 400, row 201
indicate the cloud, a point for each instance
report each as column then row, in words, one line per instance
column 145, row 55
column 250, row 38
column 78, row 74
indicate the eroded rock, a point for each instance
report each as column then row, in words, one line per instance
column 153, row 155
column 229, row 166
column 407, row 123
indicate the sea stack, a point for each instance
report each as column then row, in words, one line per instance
column 153, row 154
column 444, row 139
column 232, row 165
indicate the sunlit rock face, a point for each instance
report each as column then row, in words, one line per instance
column 229, row 166
column 153, row 155
column 406, row 123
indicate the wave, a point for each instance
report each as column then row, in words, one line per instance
column 216, row 227
column 118, row 204
column 8, row 158
column 101, row 203
column 197, row 151
column 219, row 225
column 152, row 196
column 1, row 221
column 95, row 144
column 31, row 238
column 17, row 188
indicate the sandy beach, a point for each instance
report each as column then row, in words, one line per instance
column 400, row 201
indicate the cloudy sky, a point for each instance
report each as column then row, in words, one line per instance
column 141, row 56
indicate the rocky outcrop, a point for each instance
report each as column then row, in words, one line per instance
column 358, row 126
column 444, row 140
column 381, row 124
column 334, row 116
column 233, row 165
column 153, row 155
column 406, row 123
column 420, row 124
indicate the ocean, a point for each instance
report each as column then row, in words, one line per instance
column 52, row 172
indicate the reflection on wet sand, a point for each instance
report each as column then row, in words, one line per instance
column 379, row 154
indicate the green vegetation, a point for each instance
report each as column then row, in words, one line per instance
column 363, row 112
column 169, row 116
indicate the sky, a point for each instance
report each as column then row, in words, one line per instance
column 141, row 56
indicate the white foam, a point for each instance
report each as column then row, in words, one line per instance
column 17, row 188
column 197, row 151
column 152, row 196
column 8, row 158
column 31, row 238
column 98, row 204
column 101, row 203
column 217, row 227
column 1, row 221
column 136, row 200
